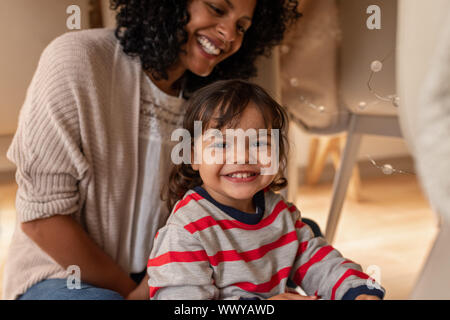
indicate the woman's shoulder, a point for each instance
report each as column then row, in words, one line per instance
column 86, row 46
column 89, row 39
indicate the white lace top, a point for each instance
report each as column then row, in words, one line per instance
column 159, row 115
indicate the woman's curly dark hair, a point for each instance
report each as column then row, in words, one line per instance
column 154, row 30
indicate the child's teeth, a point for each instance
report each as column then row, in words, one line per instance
column 241, row 175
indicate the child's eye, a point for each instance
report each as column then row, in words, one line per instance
column 260, row 144
column 219, row 145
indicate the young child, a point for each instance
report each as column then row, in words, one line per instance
column 229, row 235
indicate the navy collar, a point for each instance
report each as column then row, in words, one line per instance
column 244, row 217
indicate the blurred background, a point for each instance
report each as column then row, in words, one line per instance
column 324, row 73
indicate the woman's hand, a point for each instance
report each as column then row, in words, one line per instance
column 63, row 239
column 141, row 292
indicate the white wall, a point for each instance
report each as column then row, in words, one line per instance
column 28, row 27
column 108, row 15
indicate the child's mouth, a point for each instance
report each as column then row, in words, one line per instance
column 241, row 176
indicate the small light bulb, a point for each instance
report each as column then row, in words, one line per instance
column 376, row 66
column 387, row 169
column 294, row 82
column 321, row 109
column 362, row 105
column 396, row 101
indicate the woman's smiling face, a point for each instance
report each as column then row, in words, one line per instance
column 215, row 31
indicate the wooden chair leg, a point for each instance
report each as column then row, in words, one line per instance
column 315, row 168
column 312, row 156
column 355, row 181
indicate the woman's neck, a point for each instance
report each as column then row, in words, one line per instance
column 167, row 85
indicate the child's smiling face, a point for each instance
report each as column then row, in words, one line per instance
column 231, row 183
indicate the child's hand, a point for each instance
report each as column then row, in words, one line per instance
column 141, row 292
column 367, row 297
column 292, row 296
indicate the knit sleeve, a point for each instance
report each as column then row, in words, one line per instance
column 179, row 268
column 46, row 148
column 321, row 270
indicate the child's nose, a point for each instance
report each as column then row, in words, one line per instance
column 242, row 156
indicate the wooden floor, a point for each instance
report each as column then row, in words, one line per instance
column 392, row 227
column 8, row 190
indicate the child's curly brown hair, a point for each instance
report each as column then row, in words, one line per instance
column 220, row 105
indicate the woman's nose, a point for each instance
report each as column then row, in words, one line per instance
column 227, row 30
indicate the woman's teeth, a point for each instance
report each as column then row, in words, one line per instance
column 208, row 46
column 241, row 175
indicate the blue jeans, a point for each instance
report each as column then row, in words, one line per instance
column 56, row 289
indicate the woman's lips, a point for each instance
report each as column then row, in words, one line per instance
column 204, row 53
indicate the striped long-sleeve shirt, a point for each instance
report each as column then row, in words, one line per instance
column 211, row 251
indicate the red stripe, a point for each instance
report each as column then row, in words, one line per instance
column 315, row 293
column 299, row 224
column 178, row 256
column 292, row 209
column 348, row 273
column 221, row 256
column 347, row 261
column 233, row 255
column 201, row 224
column 186, row 200
column 153, row 290
column 302, row 247
column 207, row 222
column 266, row 286
column 318, row 256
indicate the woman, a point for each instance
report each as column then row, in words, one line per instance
column 93, row 142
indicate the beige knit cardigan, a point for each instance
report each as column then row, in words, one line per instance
column 75, row 149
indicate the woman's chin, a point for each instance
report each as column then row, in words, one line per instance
column 201, row 72
column 201, row 69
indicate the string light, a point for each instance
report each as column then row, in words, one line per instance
column 375, row 67
column 294, row 82
column 362, row 105
column 387, row 168
column 320, row 109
